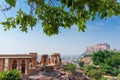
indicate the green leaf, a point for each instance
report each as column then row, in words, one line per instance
column 103, row 15
column 110, row 13
column 11, row 2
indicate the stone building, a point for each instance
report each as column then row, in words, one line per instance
column 52, row 60
column 21, row 62
column 55, row 59
column 44, row 60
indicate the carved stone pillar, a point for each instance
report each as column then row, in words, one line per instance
column 52, row 59
column 3, row 64
column 34, row 63
column 27, row 66
column 18, row 64
column 9, row 64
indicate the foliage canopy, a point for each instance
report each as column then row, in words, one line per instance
column 108, row 62
column 11, row 75
column 55, row 14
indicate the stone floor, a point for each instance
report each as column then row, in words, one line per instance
column 55, row 75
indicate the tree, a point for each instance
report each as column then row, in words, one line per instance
column 56, row 14
column 95, row 74
column 107, row 69
column 70, row 68
column 81, row 63
column 11, row 75
column 115, row 60
column 100, row 56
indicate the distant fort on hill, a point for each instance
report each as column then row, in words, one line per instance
column 98, row 47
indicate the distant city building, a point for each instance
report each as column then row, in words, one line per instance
column 98, row 47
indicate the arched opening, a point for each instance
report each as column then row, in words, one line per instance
column 23, row 67
column 1, row 65
column 14, row 65
column 55, row 61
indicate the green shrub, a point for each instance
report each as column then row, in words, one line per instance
column 11, row 75
column 118, row 76
column 103, row 78
column 88, row 68
column 70, row 68
column 81, row 63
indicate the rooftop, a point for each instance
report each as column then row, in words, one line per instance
column 16, row 56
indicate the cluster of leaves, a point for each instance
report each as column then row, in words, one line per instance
column 11, row 75
column 53, row 18
column 65, row 13
column 107, row 69
column 95, row 74
column 81, row 63
column 100, row 57
column 70, row 68
column 103, row 78
column 108, row 61
column 87, row 68
column 118, row 76
column 114, row 60
column 22, row 20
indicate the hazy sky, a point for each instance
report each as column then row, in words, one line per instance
column 69, row 41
